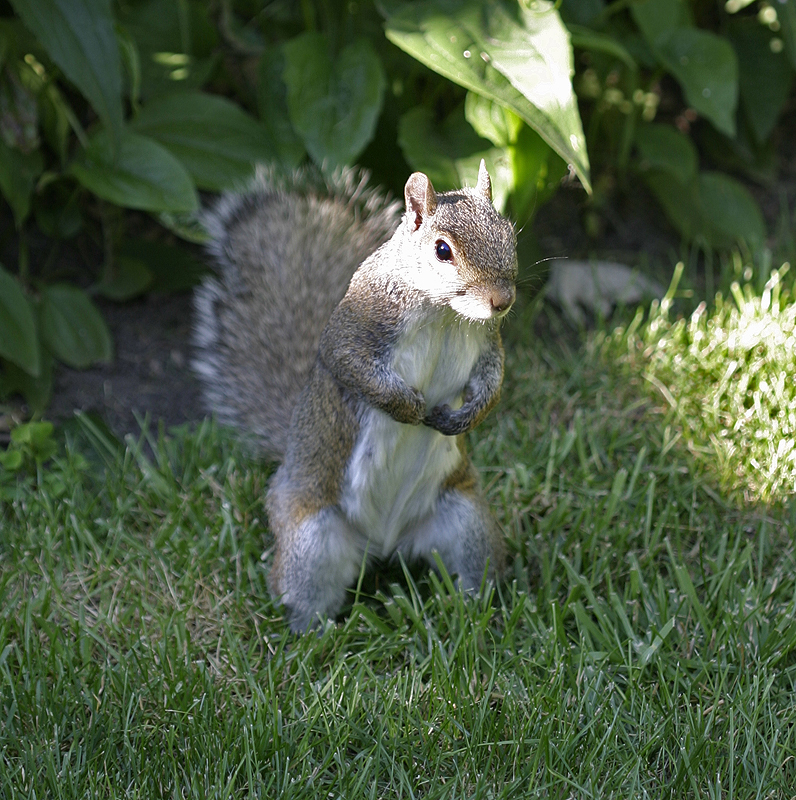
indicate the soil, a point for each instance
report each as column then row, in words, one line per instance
column 151, row 373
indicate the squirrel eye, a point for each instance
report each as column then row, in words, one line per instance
column 443, row 250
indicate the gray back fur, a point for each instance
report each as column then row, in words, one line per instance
column 285, row 250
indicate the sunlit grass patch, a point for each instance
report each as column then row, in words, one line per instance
column 729, row 375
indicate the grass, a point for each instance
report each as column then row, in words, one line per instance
column 727, row 374
column 644, row 644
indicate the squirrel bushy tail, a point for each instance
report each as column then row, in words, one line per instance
column 285, row 249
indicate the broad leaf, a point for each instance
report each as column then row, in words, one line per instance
column 663, row 147
column 707, row 70
column 538, row 172
column 57, row 210
column 168, row 27
column 176, row 44
column 594, row 41
column 786, row 14
column 18, row 175
column 11, row 460
column 19, row 123
column 215, row 139
column 129, row 278
column 55, row 114
column 36, row 438
column 492, row 120
column 173, row 269
column 450, row 153
column 714, row 207
column 144, row 175
column 185, row 225
column 19, row 341
column 80, row 38
column 765, row 77
column 534, row 169
column 272, row 106
column 519, row 57
column 36, row 389
column 333, row 104
column 658, row 19
column 731, row 209
column 703, row 63
column 582, row 12
column 680, row 203
column 72, row 328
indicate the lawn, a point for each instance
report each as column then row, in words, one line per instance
column 642, row 645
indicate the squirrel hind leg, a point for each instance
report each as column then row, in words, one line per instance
column 314, row 564
column 466, row 536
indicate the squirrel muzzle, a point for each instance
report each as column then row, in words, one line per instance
column 501, row 298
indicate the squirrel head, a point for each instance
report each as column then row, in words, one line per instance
column 465, row 252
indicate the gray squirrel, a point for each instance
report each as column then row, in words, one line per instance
column 357, row 346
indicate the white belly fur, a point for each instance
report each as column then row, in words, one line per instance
column 395, row 470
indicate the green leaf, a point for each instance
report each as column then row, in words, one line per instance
column 491, row 120
column 168, row 27
column 54, row 113
column 663, row 147
column 518, row 57
column 658, row 19
column 57, row 210
column 19, row 341
column 144, row 175
column 427, row 147
column 703, row 63
column 37, row 390
column 80, row 38
column 706, row 68
column 173, row 269
column 765, row 77
column 216, row 140
column 18, row 175
column 680, row 203
column 333, row 103
column 131, row 60
column 538, row 172
column 714, row 207
column 534, row 169
column 11, row 460
column 129, row 278
column 72, row 328
column 36, row 438
column 176, row 44
column 594, row 41
column 730, row 209
column 786, row 14
column 582, row 12
column 19, row 122
column 450, row 152
column 185, row 225
column 272, row 107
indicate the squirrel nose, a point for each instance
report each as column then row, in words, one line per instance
column 502, row 298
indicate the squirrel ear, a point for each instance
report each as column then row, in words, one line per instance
column 484, row 184
column 421, row 199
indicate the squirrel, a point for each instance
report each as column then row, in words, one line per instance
column 357, row 345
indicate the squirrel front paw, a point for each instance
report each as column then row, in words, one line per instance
column 411, row 409
column 447, row 421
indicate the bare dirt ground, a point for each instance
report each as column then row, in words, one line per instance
column 150, row 375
